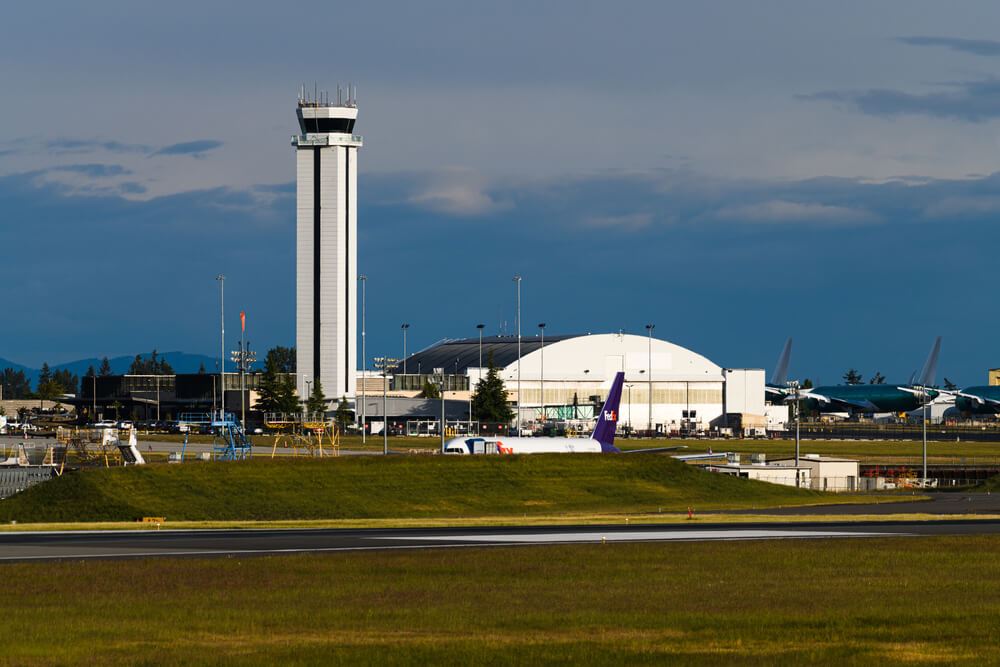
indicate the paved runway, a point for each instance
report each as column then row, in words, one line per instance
column 951, row 502
column 134, row 544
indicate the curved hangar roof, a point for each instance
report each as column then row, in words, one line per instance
column 465, row 351
column 594, row 357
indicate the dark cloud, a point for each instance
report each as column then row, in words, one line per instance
column 971, row 101
column 193, row 148
column 978, row 47
column 66, row 145
column 93, row 170
column 132, row 188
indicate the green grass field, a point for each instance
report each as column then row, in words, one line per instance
column 395, row 487
column 859, row 601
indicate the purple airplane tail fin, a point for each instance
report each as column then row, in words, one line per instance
column 607, row 421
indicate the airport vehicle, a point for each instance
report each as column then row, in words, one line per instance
column 870, row 398
column 602, row 440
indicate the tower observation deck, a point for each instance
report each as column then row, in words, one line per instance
column 326, row 243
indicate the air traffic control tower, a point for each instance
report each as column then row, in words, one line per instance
column 326, row 246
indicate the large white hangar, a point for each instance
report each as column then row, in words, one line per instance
column 668, row 388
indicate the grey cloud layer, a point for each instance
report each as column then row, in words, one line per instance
column 978, row 47
column 192, row 148
column 972, row 101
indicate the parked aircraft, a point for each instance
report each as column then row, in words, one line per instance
column 879, row 397
column 980, row 400
column 602, row 440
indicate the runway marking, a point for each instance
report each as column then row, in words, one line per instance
column 640, row 536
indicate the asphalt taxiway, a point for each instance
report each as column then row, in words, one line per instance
column 33, row 546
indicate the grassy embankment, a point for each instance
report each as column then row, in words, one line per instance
column 396, row 487
column 858, row 601
column 883, row 451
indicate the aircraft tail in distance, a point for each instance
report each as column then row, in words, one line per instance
column 780, row 375
column 607, row 421
column 929, row 370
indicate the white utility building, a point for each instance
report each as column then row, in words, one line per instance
column 827, row 473
column 668, row 388
column 326, row 246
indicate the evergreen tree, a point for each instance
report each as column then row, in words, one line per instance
column 15, row 384
column 45, row 375
column 277, row 386
column 90, row 371
column 281, row 359
column 316, row 404
column 138, row 366
column 66, row 381
column 853, row 377
column 201, row 368
column 489, row 403
column 807, row 384
column 105, row 368
column 878, row 378
column 430, row 390
column 344, row 416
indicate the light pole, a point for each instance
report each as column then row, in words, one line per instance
column 629, row 387
column 480, row 326
column 243, row 357
column 649, row 424
column 439, row 372
column 517, row 415
column 404, row 328
column 222, row 355
column 383, row 364
column 923, row 483
column 364, row 359
column 308, row 395
column 541, row 374
column 794, row 385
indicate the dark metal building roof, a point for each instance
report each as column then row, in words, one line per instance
column 465, row 351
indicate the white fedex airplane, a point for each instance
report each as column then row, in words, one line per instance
column 601, row 441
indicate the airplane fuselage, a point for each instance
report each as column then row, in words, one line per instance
column 501, row 445
column 868, row 398
column 991, row 406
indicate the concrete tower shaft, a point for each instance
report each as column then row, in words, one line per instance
column 326, row 246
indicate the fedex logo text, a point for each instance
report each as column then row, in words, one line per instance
column 611, row 415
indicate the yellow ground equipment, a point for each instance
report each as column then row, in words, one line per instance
column 311, row 433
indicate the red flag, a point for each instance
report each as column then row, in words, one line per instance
column 243, row 320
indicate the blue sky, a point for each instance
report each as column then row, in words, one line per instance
column 733, row 172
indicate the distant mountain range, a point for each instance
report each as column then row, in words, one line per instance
column 181, row 362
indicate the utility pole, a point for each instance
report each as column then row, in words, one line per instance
column 222, row 351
